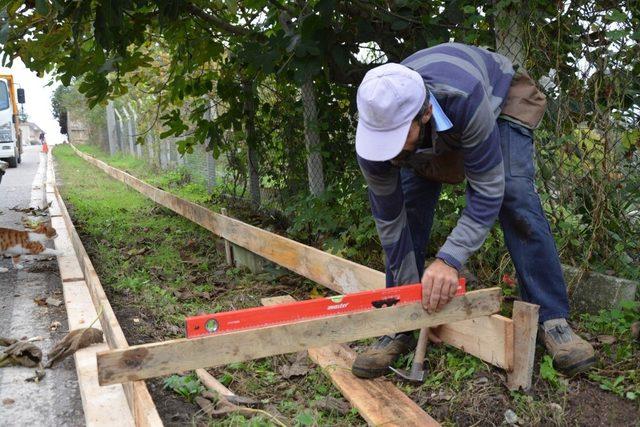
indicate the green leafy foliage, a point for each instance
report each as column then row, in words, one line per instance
column 186, row 386
column 549, row 373
column 613, row 322
column 338, row 221
column 624, row 380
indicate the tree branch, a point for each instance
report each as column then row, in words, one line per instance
column 218, row 22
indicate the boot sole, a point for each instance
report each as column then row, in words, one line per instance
column 368, row 373
column 579, row 367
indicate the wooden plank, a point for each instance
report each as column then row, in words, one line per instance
column 525, row 331
column 70, row 270
column 80, row 309
column 139, row 401
column 54, row 209
column 378, row 401
column 103, row 406
column 212, row 384
column 163, row 358
column 336, row 273
column 490, row 338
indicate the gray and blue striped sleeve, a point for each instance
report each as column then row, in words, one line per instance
column 484, row 171
column 387, row 206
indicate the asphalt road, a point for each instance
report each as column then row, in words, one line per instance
column 55, row 400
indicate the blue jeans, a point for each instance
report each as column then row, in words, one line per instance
column 526, row 230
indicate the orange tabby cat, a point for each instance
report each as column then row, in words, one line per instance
column 16, row 243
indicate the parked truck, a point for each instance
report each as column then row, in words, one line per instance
column 10, row 133
column 3, row 168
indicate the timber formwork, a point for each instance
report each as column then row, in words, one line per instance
column 468, row 322
column 123, row 404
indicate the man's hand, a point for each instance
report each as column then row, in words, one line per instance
column 439, row 285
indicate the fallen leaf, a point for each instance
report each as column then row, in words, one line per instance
column 137, row 252
column 298, row 368
column 21, row 353
column 481, row 380
column 8, row 401
column 330, row 403
column 53, row 301
column 5, row 342
column 606, row 339
column 42, row 300
column 204, row 295
column 73, row 341
column 510, row 417
column 38, row 376
column 183, row 294
column 315, row 293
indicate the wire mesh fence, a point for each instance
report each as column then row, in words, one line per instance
column 586, row 62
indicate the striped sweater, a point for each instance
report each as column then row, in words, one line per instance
column 471, row 85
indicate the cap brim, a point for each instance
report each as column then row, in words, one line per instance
column 380, row 146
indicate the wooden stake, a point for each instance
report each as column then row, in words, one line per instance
column 228, row 249
column 525, row 330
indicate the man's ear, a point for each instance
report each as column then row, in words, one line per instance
column 427, row 114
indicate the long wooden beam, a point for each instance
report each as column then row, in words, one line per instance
column 167, row 357
column 140, row 403
column 336, row 273
column 378, row 400
column 489, row 338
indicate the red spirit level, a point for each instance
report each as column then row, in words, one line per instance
column 250, row 318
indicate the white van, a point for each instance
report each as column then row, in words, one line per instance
column 10, row 137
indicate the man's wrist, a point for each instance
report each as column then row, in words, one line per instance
column 447, row 263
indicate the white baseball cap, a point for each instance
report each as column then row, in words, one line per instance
column 389, row 98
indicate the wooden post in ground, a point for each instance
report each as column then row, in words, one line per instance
column 228, row 250
column 525, row 330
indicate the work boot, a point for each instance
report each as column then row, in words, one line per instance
column 571, row 354
column 375, row 361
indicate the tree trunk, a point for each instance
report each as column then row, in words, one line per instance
column 252, row 154
column 509, row 34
